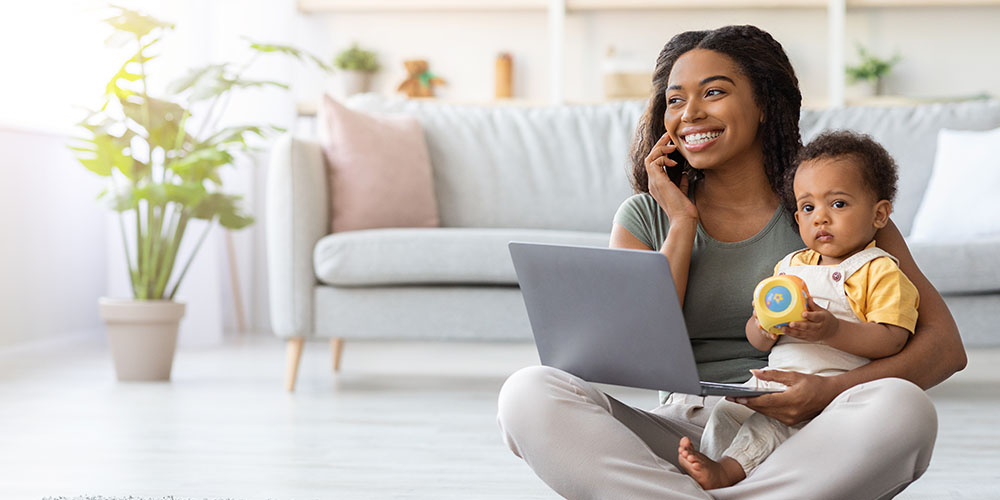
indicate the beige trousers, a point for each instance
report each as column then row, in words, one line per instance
column 870, row 442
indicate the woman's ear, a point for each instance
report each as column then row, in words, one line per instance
column 882, row 210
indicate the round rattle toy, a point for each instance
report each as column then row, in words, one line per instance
column 779, row 300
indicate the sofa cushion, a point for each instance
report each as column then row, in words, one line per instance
column 960, row 268
column 909, row 133
column 430, row 256
column 967, row 162
column 380, row 175
column 551, row 167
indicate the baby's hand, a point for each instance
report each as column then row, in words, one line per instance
column 761, row 329
column 819, row 324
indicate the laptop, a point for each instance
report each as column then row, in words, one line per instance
column 611, row 316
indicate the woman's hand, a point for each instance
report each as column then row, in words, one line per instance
column 805, row 397
column 673, row 199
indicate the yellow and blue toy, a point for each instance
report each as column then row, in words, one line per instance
column 779, row 300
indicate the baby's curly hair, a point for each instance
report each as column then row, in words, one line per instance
column 878, row 169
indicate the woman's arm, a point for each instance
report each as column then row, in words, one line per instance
column 677, row 247
column 933, row 353
column 935, row 350
column 681, row 212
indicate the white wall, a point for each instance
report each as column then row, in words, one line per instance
column 54, row 234
column 52, row 263
column 946, row 51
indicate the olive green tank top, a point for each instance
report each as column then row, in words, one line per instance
column 720, row 285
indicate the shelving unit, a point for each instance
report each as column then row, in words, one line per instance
column 557, row 10
column 319, row 6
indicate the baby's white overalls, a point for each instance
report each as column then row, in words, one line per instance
column 749, row 437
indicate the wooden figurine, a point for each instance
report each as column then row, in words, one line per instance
column 420, row 82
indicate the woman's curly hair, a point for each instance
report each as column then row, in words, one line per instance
column 775, row 89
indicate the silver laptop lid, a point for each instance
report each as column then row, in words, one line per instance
column 606, row 315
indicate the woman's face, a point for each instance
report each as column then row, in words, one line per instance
column 711, row 114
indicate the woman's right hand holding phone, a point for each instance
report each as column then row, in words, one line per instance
column 672, row 198
column 681, row 212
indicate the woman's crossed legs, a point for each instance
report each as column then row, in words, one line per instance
column 871, row 442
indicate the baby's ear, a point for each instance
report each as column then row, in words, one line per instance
column 882, row 210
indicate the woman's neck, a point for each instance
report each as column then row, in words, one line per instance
column 740, row 186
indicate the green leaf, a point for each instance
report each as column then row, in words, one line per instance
column 134, row 22
column 187, row 194
column 101, row 154
column 357, row 59
column 195, row 76
column 226, row 208
column 201, row 165
column 235, row 220
column 237, row 136
column 291, row 51
column 125, row 72
column 123, row 199
column 154, row 193
column 871, row 67
column 164, row 120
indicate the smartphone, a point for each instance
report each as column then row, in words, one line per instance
column 674, row 172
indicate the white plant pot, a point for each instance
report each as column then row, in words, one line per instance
column 860, row 92
column 353, row 82
column 143, row 336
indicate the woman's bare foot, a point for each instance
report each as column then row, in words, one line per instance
column 709, row 473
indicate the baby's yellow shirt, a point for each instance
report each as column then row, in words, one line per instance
column 879, row 292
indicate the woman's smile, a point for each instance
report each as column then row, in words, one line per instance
column 699, row 140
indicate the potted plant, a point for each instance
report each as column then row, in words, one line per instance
column 872, row 70
column 162, row 157
column 356, row 67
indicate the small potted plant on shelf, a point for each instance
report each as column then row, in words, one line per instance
column 162, row 157
column 872, row 70
column 356, row 67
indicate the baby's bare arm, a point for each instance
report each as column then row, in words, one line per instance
column 760, row 339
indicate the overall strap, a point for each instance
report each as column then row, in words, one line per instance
column 856, row 261
column 786, row 262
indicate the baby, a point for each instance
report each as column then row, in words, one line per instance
column 862, row 306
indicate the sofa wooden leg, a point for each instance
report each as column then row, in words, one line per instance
column 293, row 355
column 337, row 348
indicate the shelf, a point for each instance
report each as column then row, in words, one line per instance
column 590, row 5
column 319, row 6
column 557, row 11
column 923, row 3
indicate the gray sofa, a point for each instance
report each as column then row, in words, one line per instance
column 548, row 174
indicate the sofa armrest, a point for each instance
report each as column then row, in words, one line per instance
column 297, row 216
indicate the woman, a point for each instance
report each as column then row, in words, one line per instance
column 719, row 132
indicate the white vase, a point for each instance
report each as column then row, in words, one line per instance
column 143, row 336
column 860, row 92
column 353, row 82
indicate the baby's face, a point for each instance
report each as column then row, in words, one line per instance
column 837, row 214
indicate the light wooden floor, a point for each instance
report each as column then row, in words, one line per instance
column 403, row 420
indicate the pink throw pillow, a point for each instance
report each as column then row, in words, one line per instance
column 379, row 170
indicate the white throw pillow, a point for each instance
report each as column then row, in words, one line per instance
column 960, row 200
